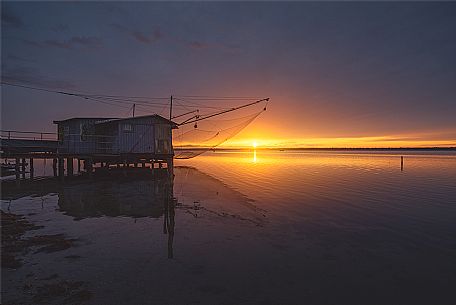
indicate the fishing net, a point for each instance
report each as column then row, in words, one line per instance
column 200, row 136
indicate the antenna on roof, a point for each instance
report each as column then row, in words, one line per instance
column 171, row 109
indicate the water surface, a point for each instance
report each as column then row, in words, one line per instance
column 254, row 228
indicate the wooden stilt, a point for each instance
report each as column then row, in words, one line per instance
column 32, row 169
column 54, row 167
column 23, row 168
column 61, row 165
column 88, row 164
column 69, row 166
column 17, row 169
column 170, row 166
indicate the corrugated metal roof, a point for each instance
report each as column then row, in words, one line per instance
column 80, row 118
column 106, row 121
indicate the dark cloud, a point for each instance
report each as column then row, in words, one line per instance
column 86, row 41
column 198, row 45
column 33, row 77
column 72, row 43
column 18, row 58
column 138, row 35
column 31, row 43
column 10, row 19
column 60, row 27
column 58, row 44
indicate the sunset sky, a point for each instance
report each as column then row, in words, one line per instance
column 338, row 74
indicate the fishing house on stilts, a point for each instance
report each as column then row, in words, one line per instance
column 111, row 141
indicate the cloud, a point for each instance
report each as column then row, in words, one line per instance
column 86, row 41
column 72, row 43
column 198, row 45
column 33, row 77
column 60, row 27
column 138, row 35
column 10, row 19
column 157, row 34
column 31, row 43
column 18, row 58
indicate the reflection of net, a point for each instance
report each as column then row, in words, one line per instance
column 190, row 142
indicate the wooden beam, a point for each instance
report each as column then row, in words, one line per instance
column 32, row 169
column 61, row 169
column 70, row 166
column 54, row 166
column 23, row 168
column 17, row 169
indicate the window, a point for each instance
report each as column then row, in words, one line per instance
column 127, row 127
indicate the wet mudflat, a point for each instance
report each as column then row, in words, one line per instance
column 266, row 229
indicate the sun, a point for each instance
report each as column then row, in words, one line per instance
column 254, row 144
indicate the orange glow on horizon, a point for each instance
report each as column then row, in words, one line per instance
column 348, row 142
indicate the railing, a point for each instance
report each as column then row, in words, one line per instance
column 27, row 135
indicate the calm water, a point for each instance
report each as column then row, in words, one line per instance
column 255, row 228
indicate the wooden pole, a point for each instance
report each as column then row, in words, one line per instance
column 54, row 166
column 17, row 169
column 170, row 166
column 88, row 164
column 171, row 108
column 402, row 163
column 61, row 168
column 32, row 169
column 70, row 166
column 23, row 168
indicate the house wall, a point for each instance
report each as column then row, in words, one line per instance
column 107, row 139
column 163, row 139
column 135, row 136
column 146, row 135
column 76, row 136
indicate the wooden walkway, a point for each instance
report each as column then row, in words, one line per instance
column 12, row 148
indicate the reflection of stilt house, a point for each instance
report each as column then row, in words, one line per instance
column 117, row 197
column 144, row 139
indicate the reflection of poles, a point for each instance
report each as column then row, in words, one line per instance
column 169, row 213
